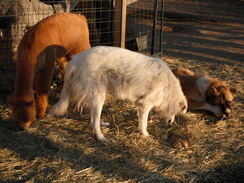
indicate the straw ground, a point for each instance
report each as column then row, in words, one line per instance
column 63, row 149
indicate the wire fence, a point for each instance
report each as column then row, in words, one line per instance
column 134, row 24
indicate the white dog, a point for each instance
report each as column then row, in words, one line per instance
column 147, row 82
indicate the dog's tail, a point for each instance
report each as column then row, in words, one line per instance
column 61, row 107
column 182, row 71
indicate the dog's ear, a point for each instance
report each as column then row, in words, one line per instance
column 233, row 91
column 211, row 93
column 183, row 106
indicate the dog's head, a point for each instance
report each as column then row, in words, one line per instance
column 221, row 95
column 180, row 106
column 168, row 112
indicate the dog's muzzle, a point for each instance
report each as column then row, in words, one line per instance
column 227, row 112
column 170, row 121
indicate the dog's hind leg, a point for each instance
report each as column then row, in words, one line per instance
column 143, row 112
column 102, row 123
column 96, row 109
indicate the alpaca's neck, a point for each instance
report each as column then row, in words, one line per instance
column 24, row 81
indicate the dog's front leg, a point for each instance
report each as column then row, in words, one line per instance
column 143, row 113
column 214, row 109
column 194, row 105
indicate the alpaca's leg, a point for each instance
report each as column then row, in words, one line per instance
column 42, row 85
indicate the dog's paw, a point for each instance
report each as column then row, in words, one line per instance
column 180, row 144
column 104, row 123
column 144, row 133
column 102, row 139
column 218, row 112
column 148, row 136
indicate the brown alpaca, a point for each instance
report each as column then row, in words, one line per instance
column 56, row 38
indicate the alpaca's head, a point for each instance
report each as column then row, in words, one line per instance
column 23, row 113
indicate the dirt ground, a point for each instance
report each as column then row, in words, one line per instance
column 211, row 30
column 204, row 36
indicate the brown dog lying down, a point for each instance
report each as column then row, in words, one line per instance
column 203, row 92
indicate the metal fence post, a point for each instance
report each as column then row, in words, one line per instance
column 154, row 26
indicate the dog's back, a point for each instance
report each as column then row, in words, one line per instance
column 182, row 71
column 104, row 66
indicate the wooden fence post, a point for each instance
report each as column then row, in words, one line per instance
column 119, row 23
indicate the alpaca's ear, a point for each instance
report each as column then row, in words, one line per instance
column 211, row 93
